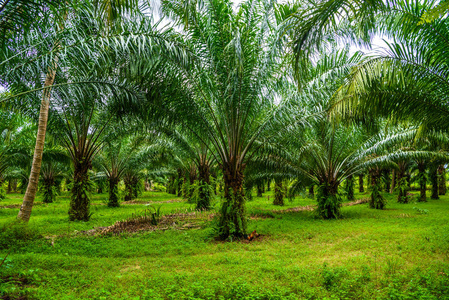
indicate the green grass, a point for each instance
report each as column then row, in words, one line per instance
column 398, row 253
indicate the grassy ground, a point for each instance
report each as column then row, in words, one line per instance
column 398, row 253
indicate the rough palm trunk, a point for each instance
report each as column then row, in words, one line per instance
column 113, row 192
column 361, row 188
column 402, row 184
column 278, row 193
column 377, row 201
column 268, row 185
column 232, row 220
column 80, row 202
column 442, row 180
column 329, row 201
column 49, row 195
column 422, row 182
column 434, row 181
column 203, row 202
column 350, row 188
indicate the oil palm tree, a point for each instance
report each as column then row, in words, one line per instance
column 113, row 161
column 230, row 91
column 195, row 158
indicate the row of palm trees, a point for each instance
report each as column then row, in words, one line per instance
column 255, row 89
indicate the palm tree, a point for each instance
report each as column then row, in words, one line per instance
column 113, row 161
column 229, row 98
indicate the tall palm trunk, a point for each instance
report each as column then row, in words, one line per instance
column 30, row 194
column 278, row 193
column 233, row 217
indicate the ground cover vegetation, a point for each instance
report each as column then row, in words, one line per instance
column 243, row 150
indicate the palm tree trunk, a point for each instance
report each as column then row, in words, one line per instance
column 49, row 195
column 113, row 192
column 329, row 202
column 278, row 193
column 233, row 216
column 80, row 202
column 377, row 201
column 30, row 194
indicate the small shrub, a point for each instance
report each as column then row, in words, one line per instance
column 332, row 277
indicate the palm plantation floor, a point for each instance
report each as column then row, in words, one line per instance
column 398, row 253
